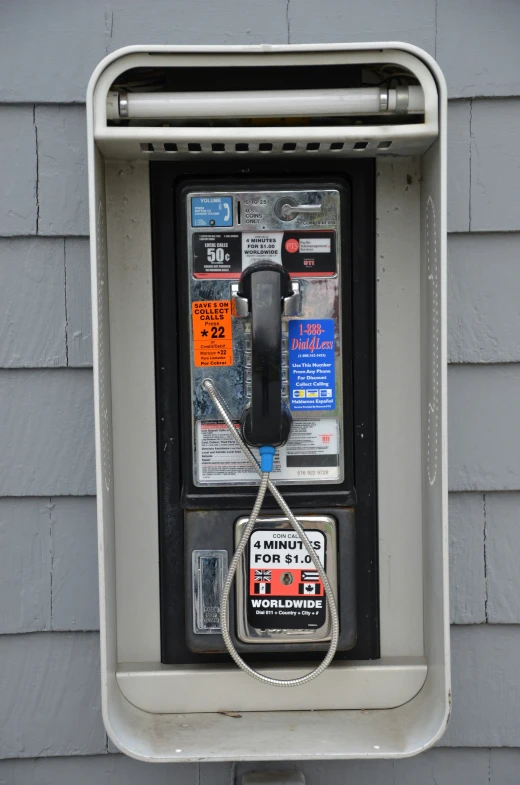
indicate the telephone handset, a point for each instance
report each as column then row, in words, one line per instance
column 266, row 420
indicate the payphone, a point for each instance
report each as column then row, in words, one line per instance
column 270, row 290
column 269, row 287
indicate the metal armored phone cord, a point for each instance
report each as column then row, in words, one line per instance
column 224, row 605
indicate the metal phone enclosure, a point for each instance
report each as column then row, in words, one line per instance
column 167, row 521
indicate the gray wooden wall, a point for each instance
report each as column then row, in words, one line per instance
column 50, row 722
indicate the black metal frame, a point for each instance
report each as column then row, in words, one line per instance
column 165, row 180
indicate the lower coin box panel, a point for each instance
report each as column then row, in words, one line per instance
column 336, row 526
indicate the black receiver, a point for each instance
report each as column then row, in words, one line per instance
column 266, row 420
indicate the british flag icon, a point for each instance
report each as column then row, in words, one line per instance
column 262, row 575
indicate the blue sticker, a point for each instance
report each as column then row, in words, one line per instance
column 311, row 365
column 212, row 211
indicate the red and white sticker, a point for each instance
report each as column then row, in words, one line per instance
column 285, row 589
column 280, row 560
column 292, row 245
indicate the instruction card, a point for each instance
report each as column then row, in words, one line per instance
column 226, row 254
column 212, row 211
column 310, row 455
column 312, row 378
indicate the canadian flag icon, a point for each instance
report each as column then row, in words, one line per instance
column 309, row 588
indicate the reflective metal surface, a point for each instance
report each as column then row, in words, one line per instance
column 209, row 570
column 315, row 297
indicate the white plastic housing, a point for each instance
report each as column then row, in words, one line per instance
column 392, row 707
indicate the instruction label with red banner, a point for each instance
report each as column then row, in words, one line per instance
column 303, row 253
column 285, row 591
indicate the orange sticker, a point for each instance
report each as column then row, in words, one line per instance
column 212, row 333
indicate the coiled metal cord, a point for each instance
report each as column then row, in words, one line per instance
column 331, row 600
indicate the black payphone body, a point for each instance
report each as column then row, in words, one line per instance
column 238, row 234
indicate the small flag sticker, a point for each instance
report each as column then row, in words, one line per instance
column 262, row 588
column 262, row 575
column 308, row 575
column 309, row 588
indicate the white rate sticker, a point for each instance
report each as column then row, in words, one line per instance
column 314, row 245
column 311, row 455
column 259, row 246
column 280, row 548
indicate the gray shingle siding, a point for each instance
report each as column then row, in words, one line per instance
column 18, row 171
column 50, row 720
column 47, row 432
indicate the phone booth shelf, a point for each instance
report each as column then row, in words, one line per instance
column 391, row 707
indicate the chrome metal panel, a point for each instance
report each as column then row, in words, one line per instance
column 318, row 298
